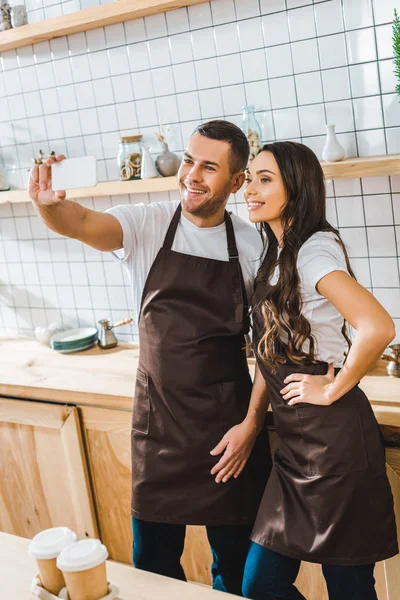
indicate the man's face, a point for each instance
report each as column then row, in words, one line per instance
column 205, row 179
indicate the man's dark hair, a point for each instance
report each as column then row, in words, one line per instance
column 228, row 132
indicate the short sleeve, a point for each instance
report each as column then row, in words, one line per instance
column 132, row 220
column 318, row 257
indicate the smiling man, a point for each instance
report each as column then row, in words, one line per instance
column 200, row 454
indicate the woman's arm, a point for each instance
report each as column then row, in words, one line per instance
column 375, row 330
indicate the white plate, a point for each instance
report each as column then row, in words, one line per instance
column 75, row 349
column 73, row 335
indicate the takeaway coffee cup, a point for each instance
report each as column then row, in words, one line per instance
column 45, row 548
column 84, row 568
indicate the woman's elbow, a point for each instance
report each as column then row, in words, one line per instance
column 390, row 332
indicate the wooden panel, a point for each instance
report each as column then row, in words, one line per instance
column 392, row 566
column 50, row 416
column 42, row 471
column 107, row 440
column 197, row 558
column 80, row 490
column 83, row 20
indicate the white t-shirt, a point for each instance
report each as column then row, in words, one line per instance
column 317, row 257
column 144, row 228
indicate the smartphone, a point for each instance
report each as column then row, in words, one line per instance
column 74, row 173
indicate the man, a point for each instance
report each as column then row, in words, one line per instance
column 192, row 267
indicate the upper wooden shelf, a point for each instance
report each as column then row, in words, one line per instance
column 363, row 166
column 369, row 166
column 107, row 188
column 83, row 20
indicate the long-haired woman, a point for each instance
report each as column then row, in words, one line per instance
column 328, row 499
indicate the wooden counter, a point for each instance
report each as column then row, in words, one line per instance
column 65, row 424
column 106, row 378
column 17, row 569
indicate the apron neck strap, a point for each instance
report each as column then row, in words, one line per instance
column 169, row 238
column 230, row 237
column 239, row 290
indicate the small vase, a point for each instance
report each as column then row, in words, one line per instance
column 148, row 167
column 332, row 151
column 167, row 162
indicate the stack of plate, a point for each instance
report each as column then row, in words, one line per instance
column 73, row 340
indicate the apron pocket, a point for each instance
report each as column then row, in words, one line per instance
column 333, row 439
column 141, row 404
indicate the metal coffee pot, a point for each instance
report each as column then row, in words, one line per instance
column 107, row 337
column 393, row 366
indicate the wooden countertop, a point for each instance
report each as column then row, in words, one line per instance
column 106, row 377
column 17, row 569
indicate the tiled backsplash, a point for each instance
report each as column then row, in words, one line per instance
column 301, row 63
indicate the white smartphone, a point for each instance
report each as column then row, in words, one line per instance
column 74, row 173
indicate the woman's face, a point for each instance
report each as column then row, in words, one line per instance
column 264, row 193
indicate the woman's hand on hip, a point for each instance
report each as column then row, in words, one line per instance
column 311, row 389
column 236, row 446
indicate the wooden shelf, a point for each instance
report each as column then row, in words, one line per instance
column 83, row 20
column 368, row 166
column 363, row 166
column 107, row 188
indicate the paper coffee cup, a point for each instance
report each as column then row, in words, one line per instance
column 45, row 547
column 84, row 568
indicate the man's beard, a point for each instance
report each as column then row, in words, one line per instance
column 211, row 206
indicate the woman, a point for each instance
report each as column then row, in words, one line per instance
column 328, row 499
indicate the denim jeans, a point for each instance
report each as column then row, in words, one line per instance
column 271, row 576
column 157, row 547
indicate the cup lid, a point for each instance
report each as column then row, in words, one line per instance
column 49, row 543
column 81, row 556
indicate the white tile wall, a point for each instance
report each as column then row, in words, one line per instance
column 302, row 63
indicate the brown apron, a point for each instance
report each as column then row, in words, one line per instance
column 192, row 385
column 328, row 499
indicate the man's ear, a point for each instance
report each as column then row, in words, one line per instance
column 238, row 181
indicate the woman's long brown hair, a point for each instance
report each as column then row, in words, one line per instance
column 303, row 215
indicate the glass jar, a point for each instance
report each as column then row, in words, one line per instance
column 5, row 15
column 252, row 130
column 130, row 157
column 4, row 187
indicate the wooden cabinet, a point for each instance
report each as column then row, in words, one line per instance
column 67, row 465
column 43, row 475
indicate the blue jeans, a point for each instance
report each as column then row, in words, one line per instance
column 271, row 576
column 157, row 547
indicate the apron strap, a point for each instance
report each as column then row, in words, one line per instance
column 169, row 238
column 239, row 290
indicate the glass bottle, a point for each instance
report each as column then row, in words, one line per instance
column 4, row 186
column 18, row 13
column 252, row 129
column 130, row 157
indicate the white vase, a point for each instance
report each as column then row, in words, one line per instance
column 148, row 167
column 332, row 151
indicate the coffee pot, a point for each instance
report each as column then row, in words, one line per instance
column 393, row 366
column 107, row 337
